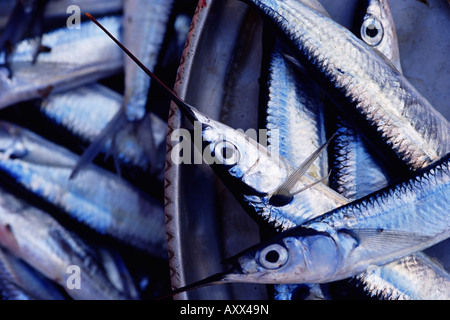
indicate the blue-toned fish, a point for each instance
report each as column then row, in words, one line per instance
column 349, row 240
column 144, row 28
column 19, row 281
column 85, row 111
column 77, row 57
column 97, row 198
column 39, row 240
column 370, row 92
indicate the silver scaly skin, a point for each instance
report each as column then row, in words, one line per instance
column 357, row 171
column 295, row 124
column 415, row 277
column 77, row 57
column 19, row 281
column 97, row 198
column 38, row 239
column 296, row 128
column 86, row 111
column 344, row 242
column 369, row 91
column 144, row 27
column 253, row 175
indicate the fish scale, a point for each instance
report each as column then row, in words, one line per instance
column 368, row 90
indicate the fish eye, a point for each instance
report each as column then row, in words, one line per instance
column 226, row 153
column 273, row 256
column 372, row 31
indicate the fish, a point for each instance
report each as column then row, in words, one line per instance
column 393, row 116
column 144, row 27
column 97, row 198
column 19, row 281
column 26, row 19
column 351, row 239
column 85, row 111
column 77, row 57
column 415, row 277
column 38, row 239
column 295, row 116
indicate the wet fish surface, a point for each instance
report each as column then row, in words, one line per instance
column 43, row 243
column 370, row 92
column 97, row 198
column 77, row 57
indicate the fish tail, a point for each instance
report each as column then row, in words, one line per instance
column 109, row 132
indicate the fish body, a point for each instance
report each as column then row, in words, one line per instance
column 415, row 277
column 35, row 237
column 371, row 93
column 78, row 56
column 19, row 281
column 144, row 29
column 373, row 231
column 97, row 198
column 295, row 116
column 253, row 174
column 85, row 111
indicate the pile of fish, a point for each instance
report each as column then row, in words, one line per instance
column 82, row 161
column 353, row 184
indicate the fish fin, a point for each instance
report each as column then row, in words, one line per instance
column 312, row 184
column 98, row 144
column 383, row 241
column 287, row 186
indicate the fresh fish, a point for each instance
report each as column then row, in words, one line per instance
column 144, row 27
column 296, row 128
column 97, row 198
column 117, row 272
column 295, row 116
column 368, row 89
column 415, row 277
column 249, row 170
column 35, row 237
column 85, row 111
column 358, row 172
column 26, row 19
column 374, row 24
column 368, row 232
column 77, row 57
column 18, row 281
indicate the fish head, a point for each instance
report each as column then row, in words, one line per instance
column 299, row 255
column 241, row 162
column 377, row 29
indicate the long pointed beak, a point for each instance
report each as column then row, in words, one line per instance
column 187, row 110
column 218, row 278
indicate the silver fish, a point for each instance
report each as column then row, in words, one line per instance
column 144, row 27
column 19, row 281
column 85, row 111
column 369, row 91
column 358, row 172
column 77, row 57
column 351, row 239
column 35, row 237
column 296, row 128
column 97, row 198
column 295, row 116
column 415, row 277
